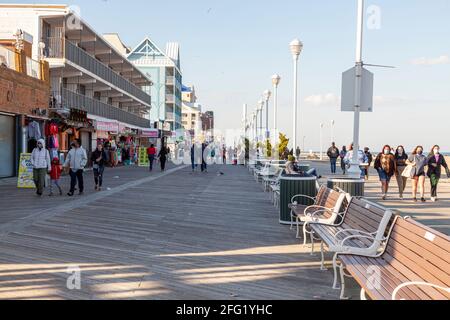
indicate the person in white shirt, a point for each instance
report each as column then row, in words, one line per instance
column 40, row 160
column 76, row 161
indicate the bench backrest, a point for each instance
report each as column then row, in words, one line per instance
column 367, row 216
column 417, row 253
column 322, row 195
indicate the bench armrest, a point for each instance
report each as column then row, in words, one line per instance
column 303, row 196
column 355, row 236
column 355, row 231
column 417, row 283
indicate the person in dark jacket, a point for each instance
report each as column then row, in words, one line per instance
column 400, row 159
column 333, row 154
column 369, row 161
column 435, row 163
column 204, row 167
column 99, row 160
column 386, row 167
column 162, row 156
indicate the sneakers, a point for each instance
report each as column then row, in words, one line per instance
column 423, row 200
column 70, row 194
column 401, row 197
column 384, row 197
column 50, row 194
column 433, row 199
column 96, row 187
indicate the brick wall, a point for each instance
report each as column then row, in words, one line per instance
column 20, row 93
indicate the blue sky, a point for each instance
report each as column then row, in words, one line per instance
column 231, row 48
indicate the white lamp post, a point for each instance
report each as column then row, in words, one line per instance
column 354, row 168
column 267, row 95
column 321, row 141
column 261, row 108
column 332, row 130
column 275, row 81
column 296, row 47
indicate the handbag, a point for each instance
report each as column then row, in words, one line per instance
column 408, row 171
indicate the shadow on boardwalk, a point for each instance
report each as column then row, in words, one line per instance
column 179, row 236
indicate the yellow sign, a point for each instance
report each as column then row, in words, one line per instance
column 25, row 176
column 143, row 158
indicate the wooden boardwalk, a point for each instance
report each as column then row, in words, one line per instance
column 176, row 236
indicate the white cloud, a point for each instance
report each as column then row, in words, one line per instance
column 326, row 100
column 444, row 59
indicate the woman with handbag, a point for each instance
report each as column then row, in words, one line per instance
column 386, row 167
column 400, row 160
column 435, row 163
column 418, row 161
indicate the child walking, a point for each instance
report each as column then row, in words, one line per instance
column 55, row 175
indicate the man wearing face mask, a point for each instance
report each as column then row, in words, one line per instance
column 418, row 161
column 40, row 159
column 435, row 163
column 386, row 167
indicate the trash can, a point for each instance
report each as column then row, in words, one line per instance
column 353, row 186
column 291, row 185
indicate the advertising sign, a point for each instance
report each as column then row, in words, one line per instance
column 142, row 157
column 348, row 91
column 25, row 176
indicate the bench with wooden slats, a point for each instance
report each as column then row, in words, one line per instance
column 361, row 231
column 330, row 206
column 415, row 265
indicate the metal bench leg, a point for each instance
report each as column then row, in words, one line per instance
column 304, row 234
column 363, row 294
column 335, row 268
column 298, row 228
column 343, row 296
column 292, row 220
column 312, row 243
column 322, row 263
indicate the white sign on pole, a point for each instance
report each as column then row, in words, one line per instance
column 348, row 91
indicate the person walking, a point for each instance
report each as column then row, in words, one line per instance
column 362, row 160
column 224, row 154
column 386, row 167
column 333, row 154
column 98, row 159
column 151, row 154
column 298, row 152
column 435, row 163
column 369, row 161
column 55, row 176
column 342, row 156
column 204, row 167
column 40, row 160
column 162, row 156
column 76, row 161
column 418, row 161
column 400, row 160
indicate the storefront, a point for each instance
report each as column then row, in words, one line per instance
column 7, row 145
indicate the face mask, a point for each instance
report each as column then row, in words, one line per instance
column 436, row 151
column 400, row 151
column 420, row 152
column 387, row 152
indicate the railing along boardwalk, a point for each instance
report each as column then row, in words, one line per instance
column 179, row 236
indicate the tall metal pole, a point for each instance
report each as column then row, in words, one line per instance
column 267, row 120
column 275, row 110
column 354, row 169
column 261, row 121
column 245, row 121
column 321, row 141
column 294, row 134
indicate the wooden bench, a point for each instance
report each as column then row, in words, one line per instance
column 328, row 206
column 415, row 265
column 362, row 231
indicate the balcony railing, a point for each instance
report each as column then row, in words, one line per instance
column 33, row 68
column 69, row 99
column 170, row 98
column 7, row 58
column 80, row 57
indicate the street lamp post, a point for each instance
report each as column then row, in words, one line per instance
column 321, row 141
column 261, row 108
column 267, row 95
column 332, row 130
column 354, row 168
column 296, row 47
column 275, row 81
